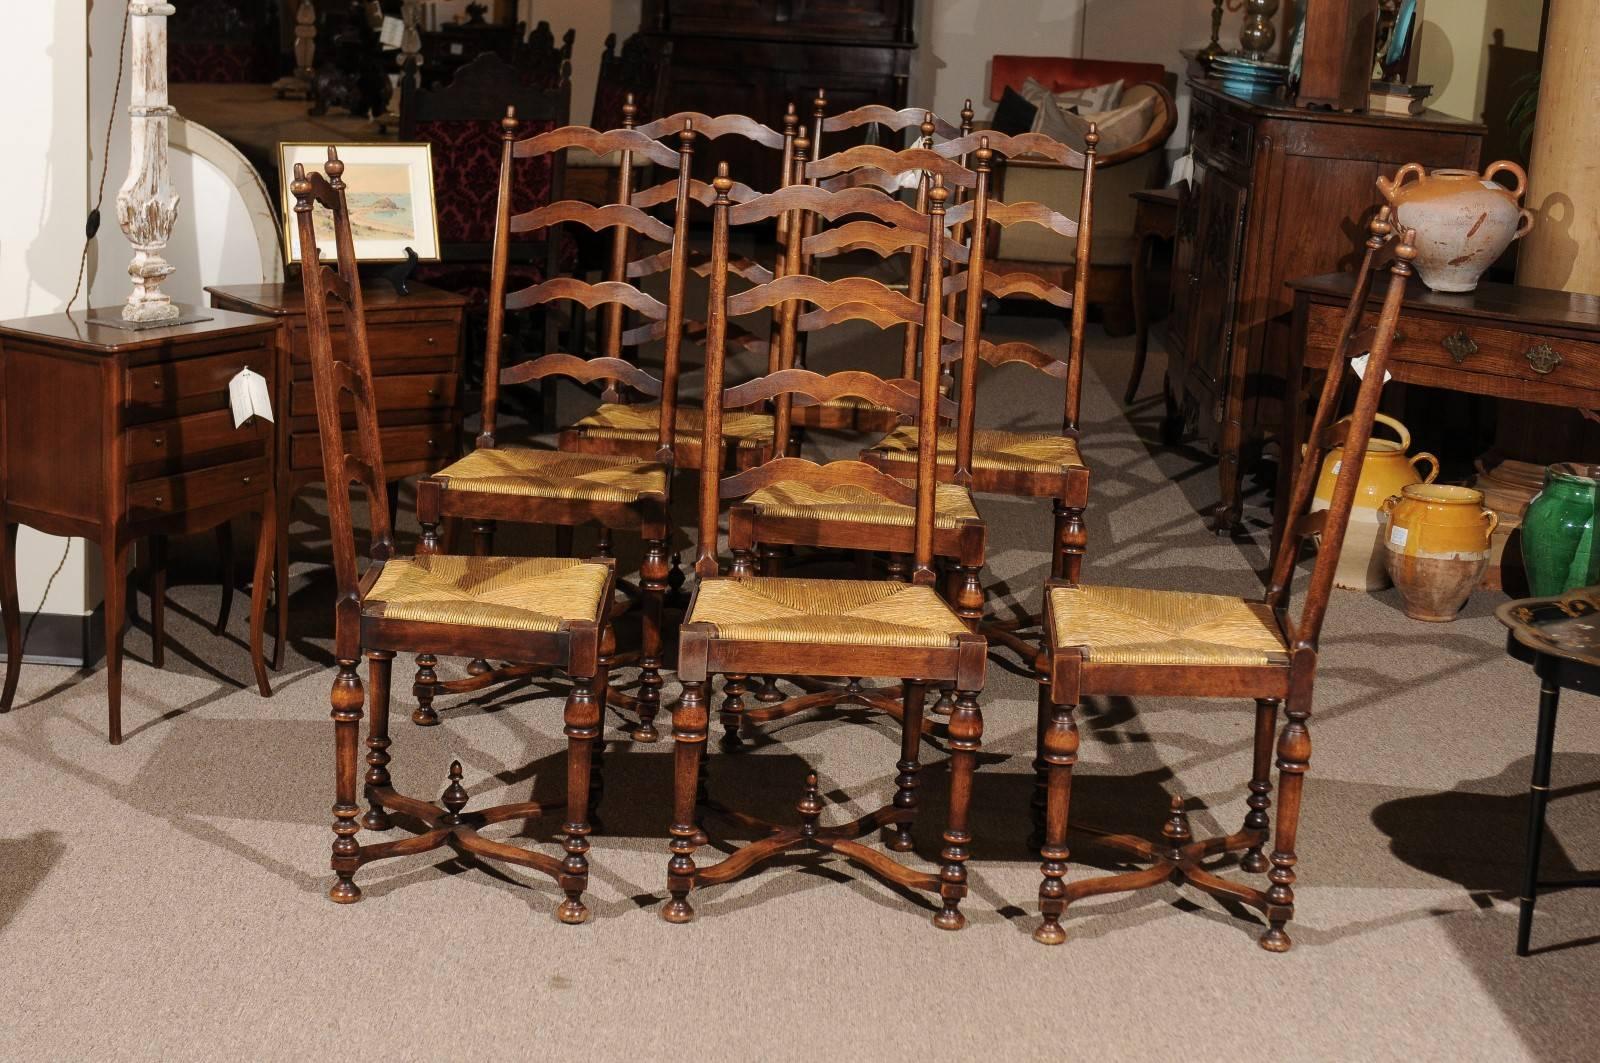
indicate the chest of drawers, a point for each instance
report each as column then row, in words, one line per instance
column 118, row 436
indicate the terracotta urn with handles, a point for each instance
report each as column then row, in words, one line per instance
column 1464, row 220
column 1436, row 546
column 1386, row 471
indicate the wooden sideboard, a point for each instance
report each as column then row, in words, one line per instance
column 1277, row 193
column 417, row 369
column 118, row 435
column 758, row 56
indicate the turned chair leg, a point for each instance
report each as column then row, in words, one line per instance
column 1059, row 751
column 346, row 699
column 1254, row 860
column 482, row 546
column 966, row 738
column 653, row 573
column 732, row 715
column 378, row 671
column 689, row 721
column 1538, row 797
column 1070, row 545
column 423, row 690
column 582, row 719
column 12, row 613
column 1294, row 760
column 905, row 793
column 1041, row 769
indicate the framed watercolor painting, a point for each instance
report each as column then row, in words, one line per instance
column 390, row 191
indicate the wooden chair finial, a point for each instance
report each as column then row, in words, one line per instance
column 630, row 112
column 984, row 156
column 819, row 103
column 1406, row 252
column 927, row 128
column 791, row 120
column 1092, row 137
column 335, row 167
column 722, row 183
column 508, row 124
column 801, row 146
column 301, row 189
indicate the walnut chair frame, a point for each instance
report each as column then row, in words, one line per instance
column 1112, row 642
column 766, row 522
column 388, row 609
column 852, row 414
column 529, row 486
column 720, row 636
column 979, row 459
column 624, row 427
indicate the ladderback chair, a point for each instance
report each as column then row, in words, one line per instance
column 1113, row 641
column 851, row 515
column 1003, row 461
column 564, row 489
column 548, row 611
column 619, row 426
column 836, row 132
column 743, row 623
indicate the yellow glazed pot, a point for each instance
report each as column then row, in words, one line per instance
column 1386, row 471
column 1436, row 546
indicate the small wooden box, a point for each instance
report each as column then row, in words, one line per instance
column 1336, row 71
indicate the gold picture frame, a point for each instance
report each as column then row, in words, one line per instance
column 390, row 191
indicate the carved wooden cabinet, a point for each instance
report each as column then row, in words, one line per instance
column 1277, row 193
column 757, row 56
column 417, row 361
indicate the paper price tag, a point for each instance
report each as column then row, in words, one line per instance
column 392, row 34
column 1360, row 366
column 247, row 394
column 1398, row 536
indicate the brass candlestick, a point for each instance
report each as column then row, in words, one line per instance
column 1214, row 49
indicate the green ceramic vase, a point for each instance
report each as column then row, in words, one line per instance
column 1558, row 543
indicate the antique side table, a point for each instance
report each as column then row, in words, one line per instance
column 1501, row 340
column 1560, row 637
column 417, row 363
column 1155, row 218
column 115, row 436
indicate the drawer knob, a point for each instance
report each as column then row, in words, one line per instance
column 1542, row 358
column 430, row 444
column 432, row 341
column 433, row 393
column 155, row 382
column 159, row 440
column 244, row 479
column 1460, row 345
column 161, row 500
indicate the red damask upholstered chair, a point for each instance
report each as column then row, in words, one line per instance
column 461, row 121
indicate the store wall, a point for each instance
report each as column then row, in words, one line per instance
column 41, row 232
column 1453, row 47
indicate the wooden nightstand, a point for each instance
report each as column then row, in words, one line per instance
column 417, row 362
column 114, row 436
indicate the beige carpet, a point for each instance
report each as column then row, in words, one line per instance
column 165, row 899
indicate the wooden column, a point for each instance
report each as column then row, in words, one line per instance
column 1563, row 250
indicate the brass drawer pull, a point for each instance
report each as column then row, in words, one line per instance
column 1542, row 358
column 1460, row 345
